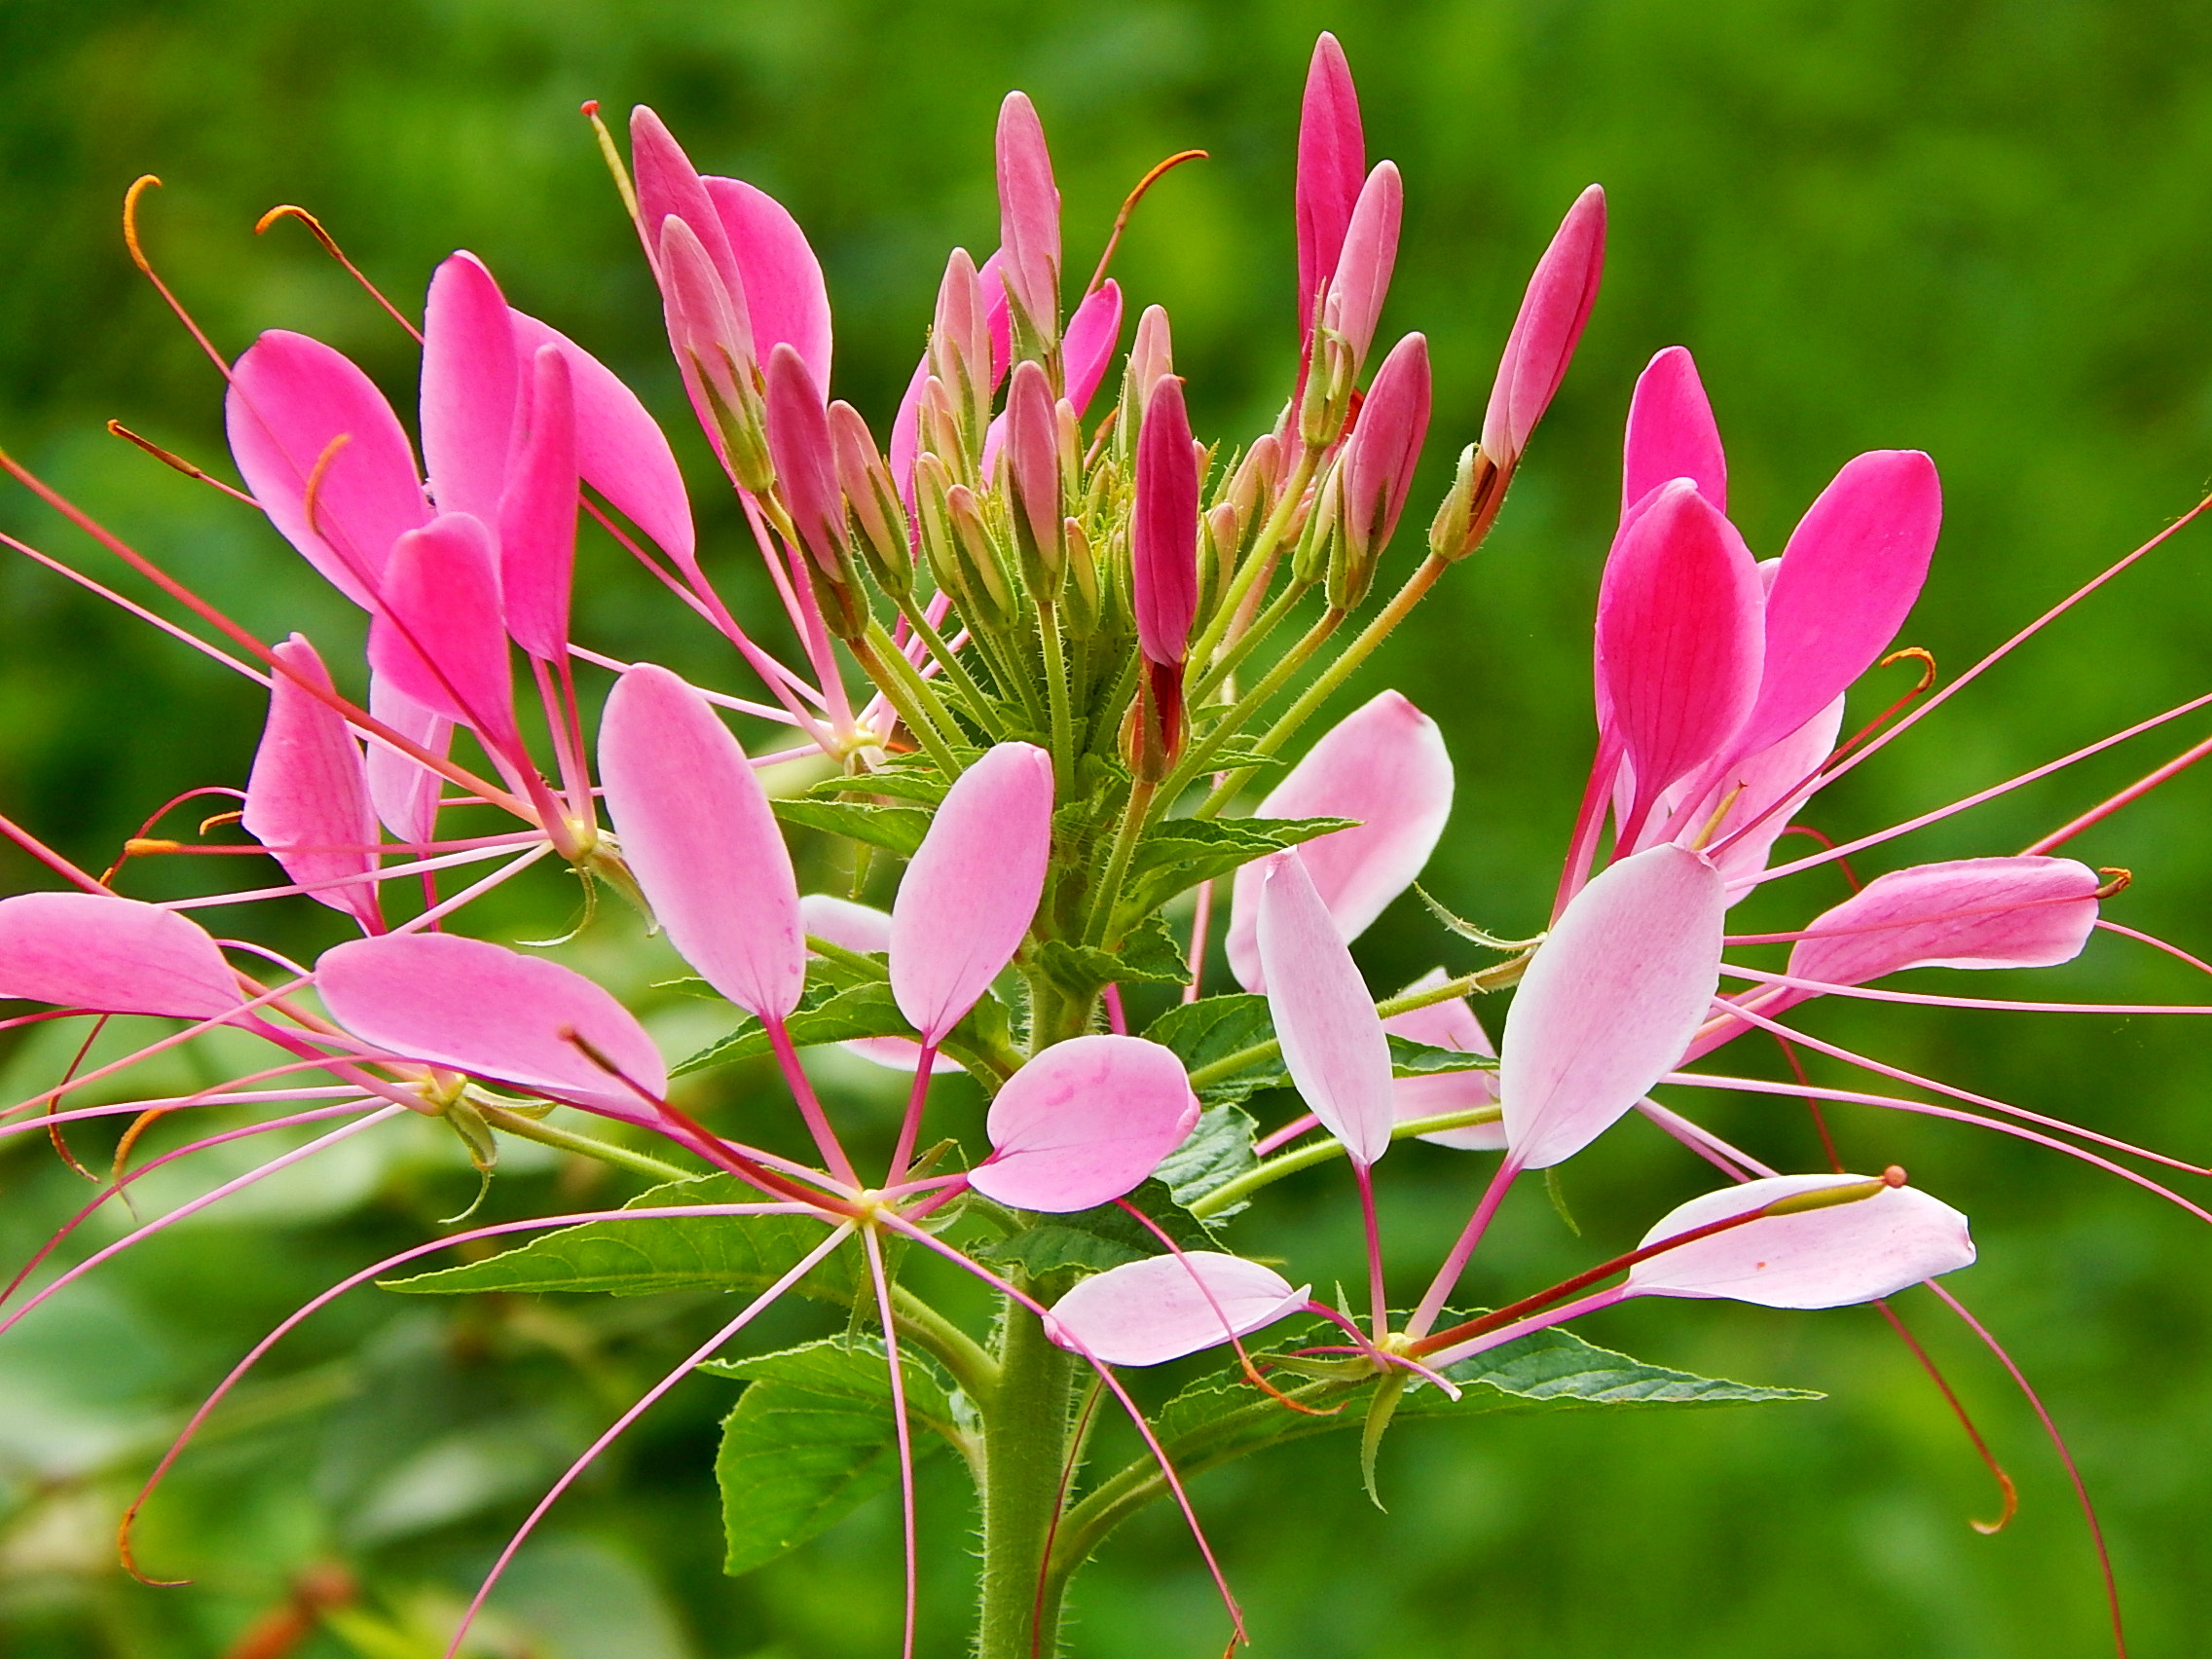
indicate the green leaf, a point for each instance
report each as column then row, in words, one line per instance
column 737, row 1253
column 1149, row 956
column 812, row 1437
column 1408, row 1059
column 862, row 1010
column 1215, row 1029
column 901, row 782
column 1218, row 1150
column 898, row 829
column 1093, row 1240
column 1182, row 852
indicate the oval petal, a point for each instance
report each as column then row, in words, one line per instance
column 1084, row 1123
column 111, row 955
column 1447, row 1025
column 864, row 929
column 1332, row 1038
column 307, row 798
column 1163, row 1308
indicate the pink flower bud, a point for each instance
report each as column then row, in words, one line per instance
column 1332, row 161
column 806, row 462
column 960, row 345
column 873, row 499
column 1151, row 356
column 1164, row 530
column 1032, row 460
column 1362, row 276
column 1544, row 335
column 1381, row 454
column 1029, row 224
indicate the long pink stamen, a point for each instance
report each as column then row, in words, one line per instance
column 1921, row 999
column 810, row 1106
column 2134, row 791
column 1378, row 1299
column 882, row 1285
column 1448, row 1275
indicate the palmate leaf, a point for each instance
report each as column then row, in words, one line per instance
column 743, row 1254
column 813, row 1437
column 1214, row 1030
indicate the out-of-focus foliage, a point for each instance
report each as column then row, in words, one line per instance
column 1981, row 229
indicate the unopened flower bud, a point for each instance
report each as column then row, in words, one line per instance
column 871, row 499
column 1252, row 487
column 1217, row 559
column 1544, row 334
column 1031, row 457
column 807, row 479
column 1326, row 402
column 707, row 325
column 1164, row 529
column 938, row 433
column 1323, row 527
column 1377, row 467
column 1362, row 277
column 989, row 582
column 1085, row 597
column 960, row 348
column 1029, row 230
column 932, row 486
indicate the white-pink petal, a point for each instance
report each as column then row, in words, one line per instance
column 1084, row 1123
column 1333, row 1041
column 1163, row 1308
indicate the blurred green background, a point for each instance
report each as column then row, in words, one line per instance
column 1984, row 229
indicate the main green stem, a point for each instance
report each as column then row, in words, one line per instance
column 1025, row 1444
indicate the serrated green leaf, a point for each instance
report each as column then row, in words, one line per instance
column 862, row 1010
column 901, row 782
column 812, row 1437
column 898, row 829
column 1408, row 1059
column 1182, row 852
column 1149, row 956
column 736, row 1253
column 1218, row 1150
column 1216, row 1029
column 1093, row 1240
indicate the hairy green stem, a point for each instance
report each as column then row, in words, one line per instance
column 916, row 613
column 1259, row 558
column 1242, row 645
column 1117, row 862
column 1198, row 757
column 1025, row 1435
column 1056, row 698
column 909, row 691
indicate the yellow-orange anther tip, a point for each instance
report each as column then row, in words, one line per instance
column 283, row 210
column 2119, row 879
column 1894, row 1175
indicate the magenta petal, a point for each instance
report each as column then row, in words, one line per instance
column 1163, row 1308
column 1753, row 789
column 440, row 638
column 1672, row 433
column 1084, row 1123
column 1332, row 1038
column 1029, row 215
column 1362, row 279
column 1560, row 293
column 538, row 514
column 1447, row 1025
column 1680, row 637
column 669, row 187
column 1331, row 163
column 1609, row 1002
column 113, row 955
column 472, row 381
column 310, row 789
column 1164, row 527
column 2006, row 912
column 405, row 792
column 785, row 300
column 805, row 458
column 972, row 888
column 1093, row 332
column 697, row 833
column 1854, row 566
column 290, row 399
column 494, row 1012
column 866, row 930
column 1384, row 765
column 1385, row 446
column 620, row 449
column 1830, row 1257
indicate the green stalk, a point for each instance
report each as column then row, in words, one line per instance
column 1025, row 1433
column 1196, row 757
column 956, row 674
column 1258, row 558
column 1241, row 647
column 1056, row 698
column 1321, row 1152
column 1334, row 674
column 1117, row 862
column 876, row 653
column 586, row 1146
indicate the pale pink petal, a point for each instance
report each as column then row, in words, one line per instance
column 1830, row 1257
column 441, row 638
column 1447, row 1025
column 1560, row 293
column 972, row 888
column 115, row 955
column 1331, row 163
column 1164, row 527
column 1384, row 765
column 1362, row 277
column 1084, row 1123
column 1029, row 216
column 471, row 383
column 1750, row 789
column 697, row 833
column 1854, row 566
column 620, row 449
column 290, row 399
column 404, row 791
column 1680, row 637
column 495, row 1014
column 1093, row 332
column 538, row 514
column 905, row 433
column 1332, row 1038
column 1163, row 1308
column 309, row 788
column 1609, row 1000
column 866, row 930
column 785, row 300
column 1672, row 433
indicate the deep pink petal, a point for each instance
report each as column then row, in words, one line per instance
column 494, row 1012
column 697, row 833
column 1854, row 566
column 538, row 514
column 785, row 300
column 471, row 385
column 1384, row 765
column 1093, row 332
column 309, row 788
column 1164, row 527
column 1821, row 1258
column 1609, row 1002
column 115, row 955
column 441, row 638
column 1332, row 1038
column 1560, row 293
column 1084, row 1123
column 2004, row 913
column 1447, row 1025
column 290, row 398
column 1029, row 215
column 669, row 187
column 1680, row 637
column 805, row 458
column 620, row 449
column 1332, row 163
column 1751, row 789
column 1163, row 1308
column 1672, row 433
column 972, row 888
column 1362, row 279
column 405, row 792
column 1385, row 446
column 866, row 930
